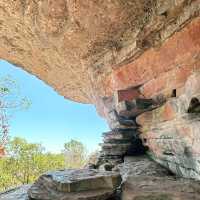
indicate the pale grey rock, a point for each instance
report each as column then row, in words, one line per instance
column 144, row 179
column 160, row 188
column 141, row 166
column 19, row 193
column 83, row 184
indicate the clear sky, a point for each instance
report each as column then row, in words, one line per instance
column 52, row 120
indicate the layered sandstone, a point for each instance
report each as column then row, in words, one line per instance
column 138, row 61
column 81, row 48
column 172, row 131
column 84, row 184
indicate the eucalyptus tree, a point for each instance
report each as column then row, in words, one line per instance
column 11, row 100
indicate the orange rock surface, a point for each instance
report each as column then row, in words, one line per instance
column 129, row 58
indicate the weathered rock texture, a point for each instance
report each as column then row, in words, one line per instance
column 78, row 46
column 85, row 184
column 128, row 57
column 145, row 180
column 172, row 131
column 19, row 193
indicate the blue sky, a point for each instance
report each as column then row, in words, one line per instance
column 52, row 120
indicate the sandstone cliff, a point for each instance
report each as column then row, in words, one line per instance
column 138, row 61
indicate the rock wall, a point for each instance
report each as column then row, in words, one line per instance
column 159, row 93
column 138, row 61
column 172, row 131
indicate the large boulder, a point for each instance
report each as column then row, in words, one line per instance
column 85, row 184
column 143, row 179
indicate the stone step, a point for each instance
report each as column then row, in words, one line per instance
column 115, row 149
column 131, row 109
column 112, row 159
column 116, row 141
column 117, row 125
column 113, row 146
column 121, row 133
column 113, row 152
column 117, row 121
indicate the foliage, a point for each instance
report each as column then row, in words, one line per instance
column 75, row 154
column 11, row 100
column 93, row 157
column 25, row 162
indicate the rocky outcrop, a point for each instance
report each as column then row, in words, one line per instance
column 123, row 139
column 82, row 48
column 138, row 166
column 85, row 184
column 146, row 180
column 164, row 106
column 143, row 179
column 128, row 58
column 172, row 131
column 159, row 188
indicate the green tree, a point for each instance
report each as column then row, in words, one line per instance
column 75, row 154
column 23, row 155
column 25, row 162
column 11, row 100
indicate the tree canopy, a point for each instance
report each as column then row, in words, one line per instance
column 75, row 154
column 11, row 100
column 25, row 162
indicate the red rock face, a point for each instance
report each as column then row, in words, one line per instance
column 128, row 57
column 161, row 89
column 162, row 69
column 172, row 131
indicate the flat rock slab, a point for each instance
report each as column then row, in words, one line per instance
column 19, row 193
column 160, row 188
column 85, row 184
column 143, row 179
column 141, row 166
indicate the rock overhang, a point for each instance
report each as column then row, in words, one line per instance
column 80, row 48
column 113, row 54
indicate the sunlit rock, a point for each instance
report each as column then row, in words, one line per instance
column 89, row 49
column 19, row 193
column 143, row 179
column 85, row 184
column 127, row 57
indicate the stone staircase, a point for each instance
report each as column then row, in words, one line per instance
column 123, row 139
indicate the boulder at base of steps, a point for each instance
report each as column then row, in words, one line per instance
column 83, row 184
